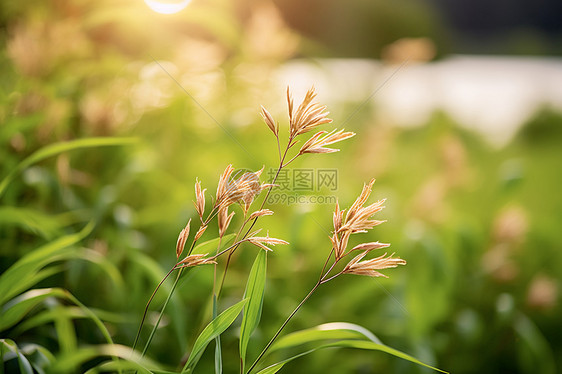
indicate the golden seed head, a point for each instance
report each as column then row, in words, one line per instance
column 194, row 260
column 370, row 267
column 182, row 239
column 357, row 218
column 224, row 220
column 269, row 121
column 243, row 190
column 261, row 241
column 368, row 247
column 200, row 199
column 200, row 233
column 223, row 186
column 338, row 217
column 317, row 143
column 290, row 104
column 355, row 221
column 259, row 213
column 308, row 115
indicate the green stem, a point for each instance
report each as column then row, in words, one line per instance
column 146, row 307
column 283, row 326
column 320, row 281
column 281, row 159
column 98, row 323
column 161, row 312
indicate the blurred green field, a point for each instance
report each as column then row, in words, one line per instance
column 479, row 225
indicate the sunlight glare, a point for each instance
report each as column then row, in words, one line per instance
column 167, row 7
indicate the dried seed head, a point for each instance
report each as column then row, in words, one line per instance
column 290, row 105
column 194, row 260
column 368, row 247
column 367, row 188
column 260, row 241
column 317, row 143
column 200, row 233
column 269, row 121
column 342, row 244
column 243, row 189
column 182, row 239
column 370, row 267
column 259, row 213
column 307, row 116
column 223, row 186
column 224, row 220
column 357, row 218
column 338, row 217
column 200, row 199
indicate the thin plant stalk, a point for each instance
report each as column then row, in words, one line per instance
column 263, row 352
column 218, row 353
column 212, row 213
column 281, row 160
column 161, row 313
column 147, row 305
column 320, row 281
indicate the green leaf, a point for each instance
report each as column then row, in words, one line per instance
column 11, row 346
column 65, row 330
column 358, row 344
column 218, row 349
column 56, row 148
column 66, row 362
column 272, row 369
column 327, row 331
column 17, row 308
column 39, row 357
column 212, row 245
column 213, row 329
column 25, row 272
column 31, row 220
column 127, row 366
column 252, row 311
column 49, row 316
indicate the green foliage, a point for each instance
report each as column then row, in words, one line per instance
column 216, row 327
column 255, row 289
column 93, row 130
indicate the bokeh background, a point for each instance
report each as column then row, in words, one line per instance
column 457, row 108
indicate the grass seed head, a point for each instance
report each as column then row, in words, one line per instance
column 317, row 143
column 224, row 220
column 308, row 115
column 261, row 241
column 370, row 267
column 200, row 232
column 200, row 199
column 269, row 121
column 194, row 260
column 260, row 213
column 182, row 239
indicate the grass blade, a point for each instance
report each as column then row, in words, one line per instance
column 213, row 329
column 16, row 309
column 21, row 275
column 218, row 349
column 32, row 221
column 327, row 331
column 56, row 148
column 213, row 244
column 255, row 289
column 357, row 344
column 11, row 346
column 84, row 354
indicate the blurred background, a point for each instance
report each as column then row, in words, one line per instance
column 457, row 108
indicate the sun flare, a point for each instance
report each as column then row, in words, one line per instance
column 167, row 7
